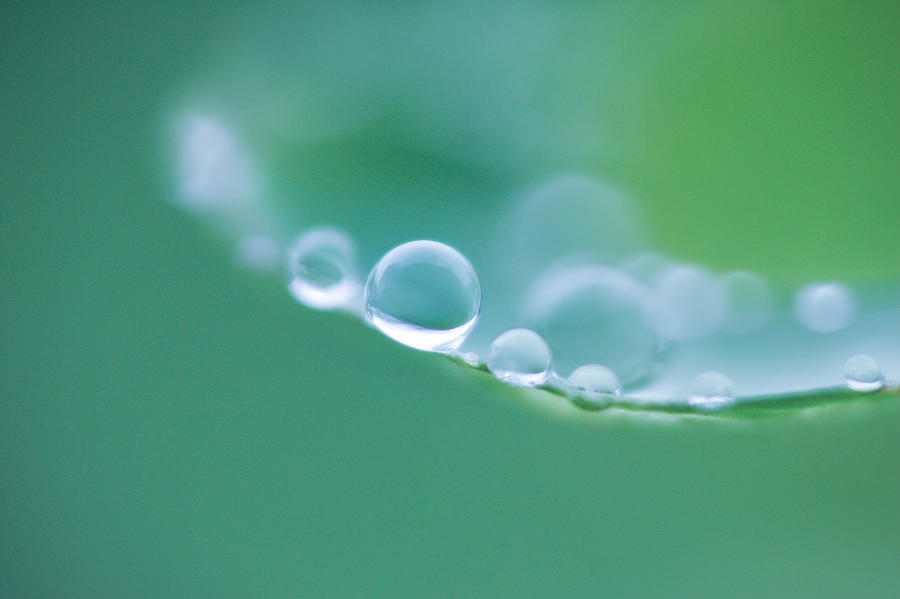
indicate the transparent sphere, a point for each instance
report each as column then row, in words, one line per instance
column 322, row 269
column 593, row 384
column 825, row 307
column 861, row 373
column 711, row 390
column 520, row 357
column 424, row 294
column 593, row 314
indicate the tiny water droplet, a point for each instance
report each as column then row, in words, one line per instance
column 594, row 384
column 471, row 358
column 861, row 373
column 520, row 357
column 424, row 294
column 711, row 390
column 321, row 269
column 825, row 307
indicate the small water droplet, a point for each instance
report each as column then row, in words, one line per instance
column 321, row 269
column 711, row 390
column 520, row 357
column 825, row 307
column 594, row 384
column 861, row 373
column 424, row 294
column 471, row 358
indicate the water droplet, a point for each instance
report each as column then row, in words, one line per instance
column 861, row 373
column 322, row 271
column 594, row 384
column 711, row 390
column 565, row 215
column 471, row 358
column 647, row 268
column 259, row 252
column 749, row 301
column 692, row 303
column 424, row 294
column 214, row 170
column 593, row 314
column 520, row 357
column 825, row 307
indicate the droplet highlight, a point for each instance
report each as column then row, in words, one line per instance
column 711, row 391
column 861, row 373
column 424, row 294
column 520, row 357
column 322, row 269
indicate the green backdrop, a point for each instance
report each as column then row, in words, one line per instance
column 173, row 427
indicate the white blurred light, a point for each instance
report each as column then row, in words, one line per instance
column 213, row 169
column 825, row 307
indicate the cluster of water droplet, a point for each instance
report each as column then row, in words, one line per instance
column 599, row 324
column 574, row 306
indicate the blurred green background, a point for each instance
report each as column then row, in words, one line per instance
column 171, row 426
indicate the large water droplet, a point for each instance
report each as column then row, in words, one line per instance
column 593, row 384
column 711, row 390
column 592, row 314
column 861, row 373
column 520, row 357
column 424, row 294
column 322, row 270
column 825, row 307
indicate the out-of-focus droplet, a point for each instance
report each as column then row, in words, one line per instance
column 424, row 294
column 691, row 303
column 647, row 268
column 749, row 301
column 711, row 390
column 861, row 373
column 825, row 307
column 471, row 358
column 322, row 269
column 594, row 384
column 520, row 357
column 567, row 215
column 259, row 252
column 593, row 314
column 214, row 170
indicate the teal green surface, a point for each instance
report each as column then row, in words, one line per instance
column 173, row 427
